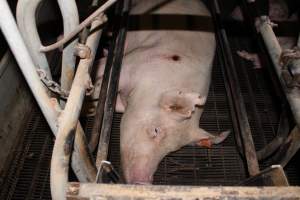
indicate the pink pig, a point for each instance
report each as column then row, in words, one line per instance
column 163, row 87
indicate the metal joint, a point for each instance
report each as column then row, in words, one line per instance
column 109, row 170
column 52, row 85
column 289, row 55
column 262, row 20
column 82, row 51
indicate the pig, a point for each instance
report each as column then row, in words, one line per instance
column 163, row 87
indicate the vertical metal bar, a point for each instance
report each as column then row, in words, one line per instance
column 26, row 12
column 69, row 119
column 102, row 97
column 112, row 91
column 50, row 108
column 104, row 86
column 70, row 17
column 240, row 110
column 235, row 123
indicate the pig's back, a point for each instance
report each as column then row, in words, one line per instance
column 184, row 7
column 163, row 59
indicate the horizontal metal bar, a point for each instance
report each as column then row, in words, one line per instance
column 117, row 191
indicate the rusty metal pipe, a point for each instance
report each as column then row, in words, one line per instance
column 77, row 191
column 295, row 66
column 274, row 49
column 26, row 12
column 69, row 119
column 70, row 17
column 82, row 167
column 79, row 28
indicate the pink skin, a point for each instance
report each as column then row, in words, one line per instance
column 163, row 86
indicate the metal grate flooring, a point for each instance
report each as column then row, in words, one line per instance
column 28, row 177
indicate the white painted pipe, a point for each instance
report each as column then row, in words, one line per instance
column 274, row 49
column 81, row 163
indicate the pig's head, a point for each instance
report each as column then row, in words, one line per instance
column 148, row 134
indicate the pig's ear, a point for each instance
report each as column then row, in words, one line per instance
column 181, row 103
column 202, row 138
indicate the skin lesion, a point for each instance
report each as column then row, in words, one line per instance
column 175, row 58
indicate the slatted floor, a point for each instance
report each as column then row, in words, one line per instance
column 28, row 177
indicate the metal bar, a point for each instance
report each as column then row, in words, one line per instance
column 282, row 133
column 49, row 106
column 272, row 176
column 69, row 119
column 79, row 28
column 251, row 98
column 295, row 67
column 250, row 14
column 98, row 119
column 102, row 96
column 70, row 17
column 235, row 123
column 26, row 12
column 112, row 91
column 26, row 64
column 288, row 149
column 240, row 110
column 115, row 191
column 274, row 49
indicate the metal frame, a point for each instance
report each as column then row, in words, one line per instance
column 69, row 119
column 113, row 192
column 245, row 139
column 112, row 92
column 293, row 95
column 25, row 13
column 65, row 125
column 26, row 10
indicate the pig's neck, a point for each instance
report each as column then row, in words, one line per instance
column 144, row 97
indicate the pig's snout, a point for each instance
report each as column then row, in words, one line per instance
column 139, row 170
column 139, row 175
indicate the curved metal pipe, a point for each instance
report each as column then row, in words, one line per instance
column 26, row 11
column 81, row 162
column 282, row 134
column 79, row 28
column 70, row 17
column 69, row 119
